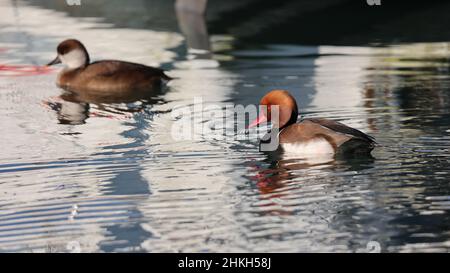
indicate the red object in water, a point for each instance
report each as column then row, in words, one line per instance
column 7, row 70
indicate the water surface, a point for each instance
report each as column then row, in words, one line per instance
column 109, row 177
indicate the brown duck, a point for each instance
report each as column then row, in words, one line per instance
column 109, row 76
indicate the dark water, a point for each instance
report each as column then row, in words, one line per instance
column 89, row 176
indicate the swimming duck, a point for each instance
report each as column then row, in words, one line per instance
column 102, row 76
column 311, row 136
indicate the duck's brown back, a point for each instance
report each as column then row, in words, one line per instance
column 112, row 76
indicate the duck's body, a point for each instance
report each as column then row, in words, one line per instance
column 310, row 136
column 103, row 76
column 111, row 76
column 323, row 136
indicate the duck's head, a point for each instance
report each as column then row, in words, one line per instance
column 72, row 54
column 287, row 107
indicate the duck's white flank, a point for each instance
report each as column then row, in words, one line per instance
column 317, row 146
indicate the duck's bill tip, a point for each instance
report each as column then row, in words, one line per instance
column 55, row 61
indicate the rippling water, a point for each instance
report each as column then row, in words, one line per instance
column 109, row 177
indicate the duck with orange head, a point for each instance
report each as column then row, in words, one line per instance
column 310, row 136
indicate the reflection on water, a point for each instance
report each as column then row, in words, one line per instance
column 75, row 107
column 104, row 172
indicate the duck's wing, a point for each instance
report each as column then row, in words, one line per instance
column 343, row 129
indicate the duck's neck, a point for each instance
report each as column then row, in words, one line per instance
column 285, row 122
column 292, row 119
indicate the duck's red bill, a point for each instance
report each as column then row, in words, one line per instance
column 261, row 119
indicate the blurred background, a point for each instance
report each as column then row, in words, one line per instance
column 85, row 175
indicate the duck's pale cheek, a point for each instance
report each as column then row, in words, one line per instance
column 74, row 59
column 312, row 147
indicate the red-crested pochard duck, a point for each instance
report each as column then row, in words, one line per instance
column 103, row 76
column 312, row 136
